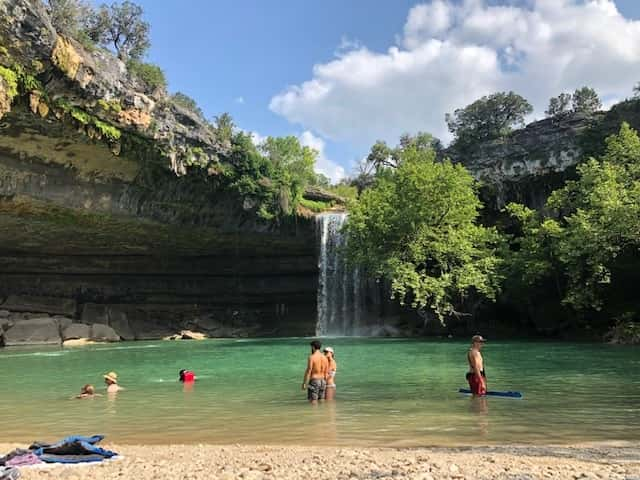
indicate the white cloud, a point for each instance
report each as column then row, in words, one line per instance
column 240, row 100
column 451, row 53
column 323, row 165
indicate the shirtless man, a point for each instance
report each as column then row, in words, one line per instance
column 314, row 376
column 475, row 376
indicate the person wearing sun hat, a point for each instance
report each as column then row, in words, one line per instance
column 476, row 376
column 111, row 380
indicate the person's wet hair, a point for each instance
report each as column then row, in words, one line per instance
column 316, row 345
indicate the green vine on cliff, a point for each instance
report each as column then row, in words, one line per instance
column 106, row 130
column 11, row 79
column 110, row 105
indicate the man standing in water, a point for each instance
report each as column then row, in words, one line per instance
column 475, row 376
column 314, row 377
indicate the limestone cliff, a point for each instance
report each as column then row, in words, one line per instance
column 101, row 208
column 530, row 163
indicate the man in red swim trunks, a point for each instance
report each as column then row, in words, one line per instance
column 475, row 376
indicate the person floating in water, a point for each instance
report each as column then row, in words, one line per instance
column 332, row 368
column 88, row 391
column 111, row 380
column 187, row 376
column 475, row 376
column 314, row 376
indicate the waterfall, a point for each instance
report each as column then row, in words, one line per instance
column 339, row 295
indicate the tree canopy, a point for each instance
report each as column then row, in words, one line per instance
column 121, row 26
column 417, row 226
column 559, row 105
column 586, row 100
column 593, row 222
column 69, row 16
column 272, row 176
column 488, row 118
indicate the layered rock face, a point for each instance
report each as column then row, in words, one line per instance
column 103, row 225
column 530, row 163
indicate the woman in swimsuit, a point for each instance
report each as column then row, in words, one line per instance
column 331, row 374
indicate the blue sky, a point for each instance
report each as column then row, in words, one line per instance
column 236, row 56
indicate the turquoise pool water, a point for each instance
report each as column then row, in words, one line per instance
column 391, row 392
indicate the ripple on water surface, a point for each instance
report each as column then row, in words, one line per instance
column 398, row 392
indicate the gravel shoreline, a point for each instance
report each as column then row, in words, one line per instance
column 249, row 462
column 253, row 462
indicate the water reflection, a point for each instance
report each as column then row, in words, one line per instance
column 250, row 394
column 479, row 406
column 188, row 387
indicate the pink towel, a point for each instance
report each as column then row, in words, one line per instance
column 23, row 460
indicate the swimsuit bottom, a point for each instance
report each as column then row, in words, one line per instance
column 333, row 385
column 316, row 389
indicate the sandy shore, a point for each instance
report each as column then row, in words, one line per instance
column 194, row 462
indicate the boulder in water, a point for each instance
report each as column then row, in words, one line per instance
column 186, row 335
column 76, row 331
column 35, row 331
column 103, row 333
column 119, row 321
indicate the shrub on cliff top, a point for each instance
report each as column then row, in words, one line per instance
column 151, row 75
column 187, row 102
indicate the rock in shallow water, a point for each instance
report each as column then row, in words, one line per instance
column 76, row 331
column 36, row 331
column 103, row 333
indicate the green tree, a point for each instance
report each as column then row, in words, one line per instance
column 69, row 16
column 596, row 223
column 224, row 128
column 420, row 141
column 321, row 180
column 585, row 100
column 417, row 226
column 294, row 161
column 149, row 74
column 488, row 118
column 379, row 157
column 121, row 27
column 559, row 105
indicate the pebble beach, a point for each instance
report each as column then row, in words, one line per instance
column 616, row 461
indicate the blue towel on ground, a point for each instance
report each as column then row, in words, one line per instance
column 73, row 449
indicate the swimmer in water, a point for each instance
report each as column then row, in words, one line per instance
column 187, row 376
column 111, row 380
column 88, row 391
